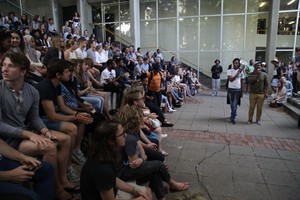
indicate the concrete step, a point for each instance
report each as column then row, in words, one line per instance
column 293, row 109
column 295, row 102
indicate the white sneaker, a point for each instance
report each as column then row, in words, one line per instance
column 164, row 135
column 171, row 110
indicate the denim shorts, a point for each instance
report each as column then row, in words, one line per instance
column 52, row 125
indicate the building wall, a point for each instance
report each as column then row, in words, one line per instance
column 200, row 31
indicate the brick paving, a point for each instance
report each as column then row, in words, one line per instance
column 237, row 139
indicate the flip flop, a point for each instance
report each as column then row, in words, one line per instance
column 184, row 186
column 164, row 153
column 75, row 189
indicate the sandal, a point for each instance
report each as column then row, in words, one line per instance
column 182, row 187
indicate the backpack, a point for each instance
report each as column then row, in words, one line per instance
column 193, row 90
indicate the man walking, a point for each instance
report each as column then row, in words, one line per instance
column 216, row 71
column 235, row 87
column 259, row 83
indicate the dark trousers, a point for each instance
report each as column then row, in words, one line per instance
column 153, row 107
column 295, row 82
column 234, row 96
column 157, row 97
column 118, row 89
column 42, row 182
column 154, row 171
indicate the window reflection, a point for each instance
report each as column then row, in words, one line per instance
column 233, row 34
column 287, row 23
column 124, row 12
column 188, row 8
column 234, row 6
column 148, row 10
column 210, row 7
column 289, row 4
column 210, row 33
column 188, row 31
column 258, row 5
column 167, row 8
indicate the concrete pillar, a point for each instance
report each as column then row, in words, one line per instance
column 55, row 14
column 135, row 23
column 85, row 12
column 272, row 35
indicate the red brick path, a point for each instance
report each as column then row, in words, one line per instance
column 237, row 139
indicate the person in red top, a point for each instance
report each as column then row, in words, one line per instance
column 155, row 78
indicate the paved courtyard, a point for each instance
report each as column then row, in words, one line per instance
column 233, row 162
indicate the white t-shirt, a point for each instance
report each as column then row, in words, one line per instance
column 105, row 74
column 81, row 54
column 101, row 57
column 236, row 84
column 176, row 80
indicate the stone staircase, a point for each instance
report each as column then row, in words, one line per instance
column 292, row 107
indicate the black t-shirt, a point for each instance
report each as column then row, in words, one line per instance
column 97, row 177
column 216, row 71
column 48, row 92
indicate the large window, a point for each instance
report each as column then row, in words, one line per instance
column 210, row 33
column 289, row 4
column 167, row 8
column 188, row 7
column 211, row 7
column 148, row 10
column 256, row 32
column 234, row 6
column 233, row 32
column 188, row 31
column 258, row 5
column 148, row 34
column 167, row 34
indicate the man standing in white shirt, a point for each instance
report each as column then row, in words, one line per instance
column 235, row 87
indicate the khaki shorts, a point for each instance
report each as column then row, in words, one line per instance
column 298, row 76
column 121, row 195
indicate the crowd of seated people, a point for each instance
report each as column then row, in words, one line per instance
column 55, row 91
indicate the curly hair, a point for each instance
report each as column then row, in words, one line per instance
column 103, row 146
column 131, row 118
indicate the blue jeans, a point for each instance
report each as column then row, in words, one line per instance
column 42, row 182
column 96, row 101
column 234, row 96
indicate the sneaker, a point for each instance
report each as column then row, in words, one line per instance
column 232, row 121
column 249, row 122
column 258, row 122
column 164, row 135
column 72, row 174
column 171, row 110
column 78, row 157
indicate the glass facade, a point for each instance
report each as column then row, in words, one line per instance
column 200, row 31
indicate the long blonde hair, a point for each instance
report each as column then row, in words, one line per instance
column 56, row 42
column 131, row 118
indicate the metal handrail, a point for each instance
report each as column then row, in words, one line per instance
column 23, row 10
column 97, row 24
